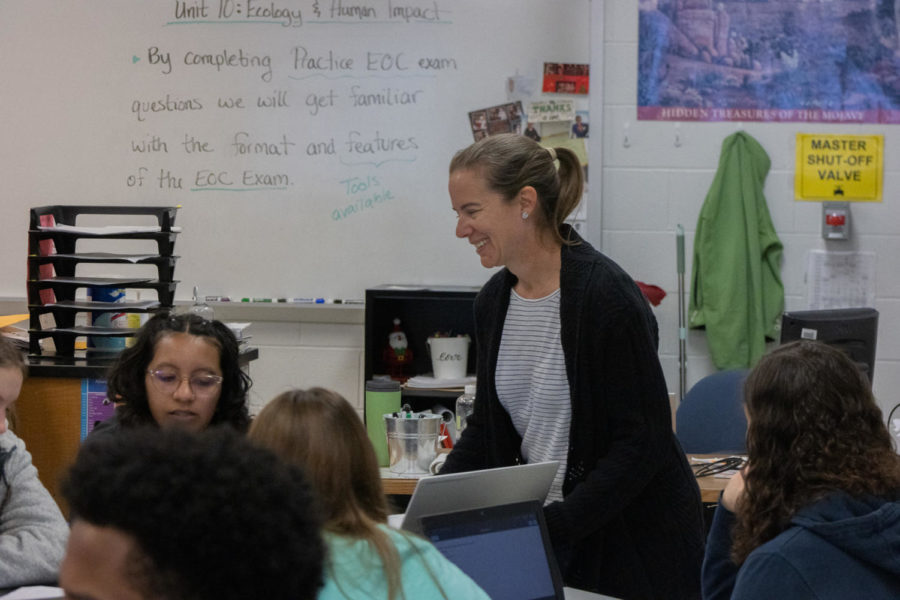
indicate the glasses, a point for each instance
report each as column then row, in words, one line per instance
column 202, row 386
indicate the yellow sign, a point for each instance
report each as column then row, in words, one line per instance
column 839, row 167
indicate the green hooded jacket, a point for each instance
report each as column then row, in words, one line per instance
column 736, row 290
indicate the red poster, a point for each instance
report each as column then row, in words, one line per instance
column 565, row 78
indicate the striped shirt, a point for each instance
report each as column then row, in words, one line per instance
column 532, row 384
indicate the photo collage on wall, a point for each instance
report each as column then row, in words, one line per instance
column 548, row 106
column 503, row 118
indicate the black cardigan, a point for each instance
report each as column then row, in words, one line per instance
column 631, row 522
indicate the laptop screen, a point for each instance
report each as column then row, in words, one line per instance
column 504, row 549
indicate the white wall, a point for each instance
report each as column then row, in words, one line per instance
column 652, row 186
column 645, row 191
column 303, row 347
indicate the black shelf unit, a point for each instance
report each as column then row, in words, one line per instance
column 422, row 310
column 64, row 283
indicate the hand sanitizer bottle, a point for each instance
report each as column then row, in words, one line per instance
column 465, row 405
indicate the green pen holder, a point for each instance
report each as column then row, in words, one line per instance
column 382, row 397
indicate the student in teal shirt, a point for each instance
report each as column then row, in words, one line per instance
column 319, row 431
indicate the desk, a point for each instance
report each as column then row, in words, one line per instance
column 404, row 485
column 710, row 486
column 44, row 592
column 399, row 485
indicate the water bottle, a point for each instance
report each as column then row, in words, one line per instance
column 201, row 308
column 382, row 397
column 465, row 405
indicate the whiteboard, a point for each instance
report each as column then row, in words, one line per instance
column 307, row 141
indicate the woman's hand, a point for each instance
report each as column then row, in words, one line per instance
column 733, row 491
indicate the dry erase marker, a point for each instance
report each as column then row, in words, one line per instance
column 218, row 299
column 298, row 300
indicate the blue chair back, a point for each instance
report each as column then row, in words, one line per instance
column 710, row 418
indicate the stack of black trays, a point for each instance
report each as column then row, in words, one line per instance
column 53, row 283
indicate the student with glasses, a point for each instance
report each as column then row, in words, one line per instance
column 182, row 371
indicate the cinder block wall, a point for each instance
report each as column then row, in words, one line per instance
column 653, row 185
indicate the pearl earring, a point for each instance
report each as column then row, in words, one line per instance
column 524, row 214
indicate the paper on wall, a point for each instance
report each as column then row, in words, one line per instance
column 840, row 279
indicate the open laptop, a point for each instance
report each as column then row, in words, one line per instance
column 478, row 489
column 505, row 549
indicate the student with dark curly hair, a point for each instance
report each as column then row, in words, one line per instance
column 318, row 431
column 181, row 516
column 817, row 512
column 32, row 529
column 182, row 371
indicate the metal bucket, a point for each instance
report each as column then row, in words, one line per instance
column 412, row 441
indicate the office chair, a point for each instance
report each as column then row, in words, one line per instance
column 710, row 418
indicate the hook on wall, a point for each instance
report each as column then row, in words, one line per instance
column 677, row 140
column 626, row 140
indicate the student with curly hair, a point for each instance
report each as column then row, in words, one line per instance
column 32, row 530
column 182, row 371
column 181, row 516
column 320, row 432
column 817, row 512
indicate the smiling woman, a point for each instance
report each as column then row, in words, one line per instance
column 182, row 371
column 567, row 370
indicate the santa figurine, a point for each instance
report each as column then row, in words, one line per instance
column 397, row 353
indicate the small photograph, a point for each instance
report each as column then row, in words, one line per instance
column 514, row 111
column 580, row 127
column 566, row 78
column 503, row 118
column 478, row 120
column 532, row 132
column 495, row 127
column 497, row 113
